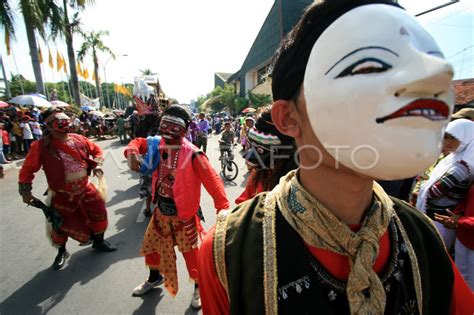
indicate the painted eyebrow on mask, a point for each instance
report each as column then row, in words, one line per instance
column 360, row 49
column 436, row 53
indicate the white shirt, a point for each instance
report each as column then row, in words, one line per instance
column 25, row 127
column 36, row 128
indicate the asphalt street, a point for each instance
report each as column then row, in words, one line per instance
column 91, row 282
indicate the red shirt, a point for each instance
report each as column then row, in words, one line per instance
column 465, row 228
column 5, row 137
column 214, row 298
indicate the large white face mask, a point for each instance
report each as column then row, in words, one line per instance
column 378, row 92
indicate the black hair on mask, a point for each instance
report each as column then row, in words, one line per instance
column 179, row 111
column 50, row 111
column 289, row 62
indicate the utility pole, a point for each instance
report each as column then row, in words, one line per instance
column 7, row 87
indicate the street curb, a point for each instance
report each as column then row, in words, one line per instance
column 15, row 164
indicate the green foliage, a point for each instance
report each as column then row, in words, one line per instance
column 259, row 100
column 240, row 104
column 220, row 98
column 16, row 83
column 147, row 71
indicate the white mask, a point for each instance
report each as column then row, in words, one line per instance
column 354, row 114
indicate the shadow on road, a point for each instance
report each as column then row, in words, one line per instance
column 49, row 287
column 150, row 301
column 122, row 195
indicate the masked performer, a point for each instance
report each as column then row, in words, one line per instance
column 366, row 93
column 177, row 192
column 270, row 156
column 66, row 161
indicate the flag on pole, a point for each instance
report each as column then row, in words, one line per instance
column 59, row 61
column 65, row 64
column 85, row 74
column 79, row 69
column 93, row 76
column 40, row 55
column 51, row 64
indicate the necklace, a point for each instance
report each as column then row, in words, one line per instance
column 173, row 167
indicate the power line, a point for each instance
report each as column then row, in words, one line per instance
column 451, row 25
column 460, row 52
column 462, row 9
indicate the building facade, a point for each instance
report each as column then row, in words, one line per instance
column 252, row 75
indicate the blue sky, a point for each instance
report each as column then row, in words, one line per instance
column 186, row 41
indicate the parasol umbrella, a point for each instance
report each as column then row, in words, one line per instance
column 97, row 113
column 249, row 110
column 39, row 95
column 87, row 108
column 4, row 104
column 60, row 104
column 30, row 100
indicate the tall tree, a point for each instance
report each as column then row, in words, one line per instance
column 38, row 16
column 147, row 72
column 6, row 21
column 70, row 27
column 93, row 43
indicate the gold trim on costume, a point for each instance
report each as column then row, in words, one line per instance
column 414, row 265
column 218, row 247
column 270, row 275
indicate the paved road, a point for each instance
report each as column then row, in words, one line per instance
column 91, row 282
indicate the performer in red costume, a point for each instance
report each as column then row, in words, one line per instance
column 65, row 158
column 176, row 187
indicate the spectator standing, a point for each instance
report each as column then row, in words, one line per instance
column 193, row 130
column 449, row 182
column 26, row 132
column 18, row 134
column 5, row 144
column 35, row 128
column 201, row 135
column 121, row 129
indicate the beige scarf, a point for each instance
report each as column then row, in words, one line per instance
column 320, row 228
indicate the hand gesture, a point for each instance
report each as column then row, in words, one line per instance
column 448, row 221
column 28, row 197
column 134, row 162
column 98, row 171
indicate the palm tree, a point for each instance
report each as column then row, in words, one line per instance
column 147, row 72
column 70, row 27
column 93, row 42
column 6, row 21
column 37, row 15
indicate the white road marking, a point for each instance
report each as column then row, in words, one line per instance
column 141, row 216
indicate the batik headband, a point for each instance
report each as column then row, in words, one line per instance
column 266, row 139
column 175, row 120
column 58, row 116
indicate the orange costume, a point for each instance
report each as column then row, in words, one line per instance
column 175, row 222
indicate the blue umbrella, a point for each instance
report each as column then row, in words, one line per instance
column 87, row 108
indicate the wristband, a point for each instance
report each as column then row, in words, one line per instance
column 22, row 188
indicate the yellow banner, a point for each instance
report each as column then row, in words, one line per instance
column 59, row 62
column 40, row 55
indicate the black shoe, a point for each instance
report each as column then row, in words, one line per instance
column 60, row 260
column 147, row 212
column 104, row 246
